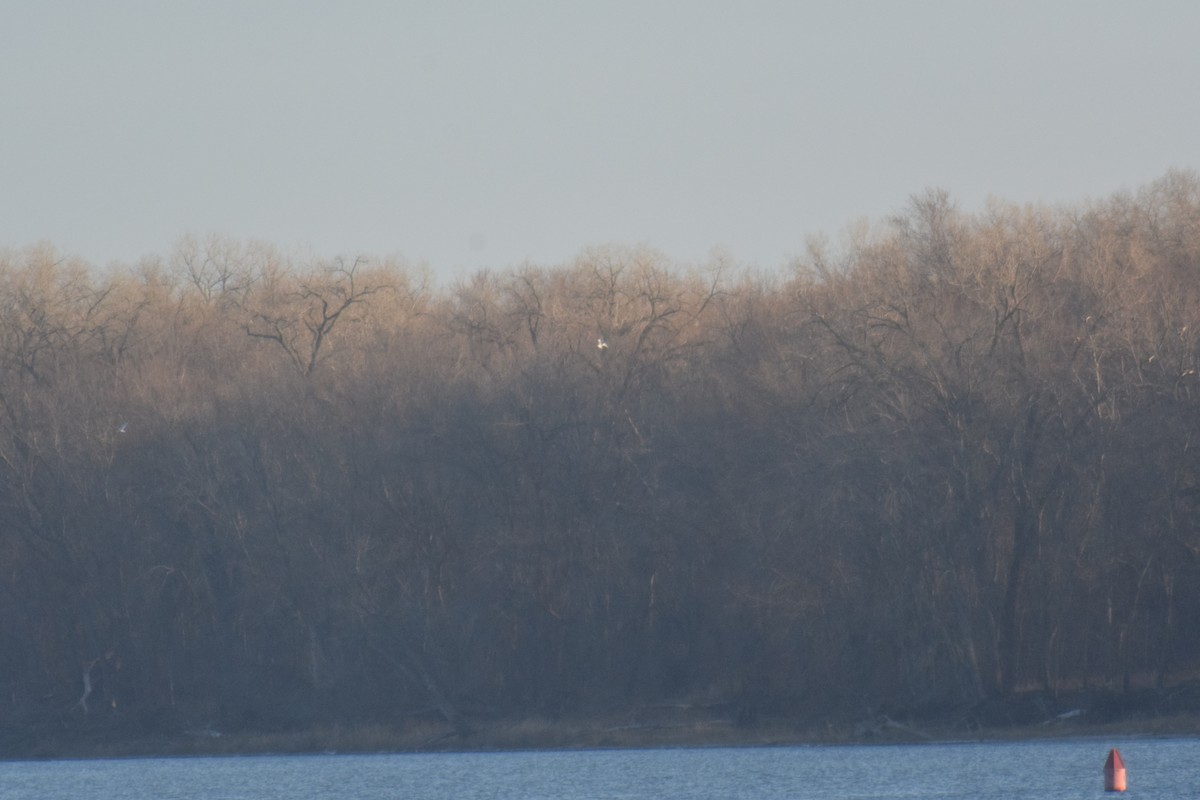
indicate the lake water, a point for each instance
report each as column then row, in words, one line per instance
column 1157, row 768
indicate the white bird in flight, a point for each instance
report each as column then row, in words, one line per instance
column 601, row 344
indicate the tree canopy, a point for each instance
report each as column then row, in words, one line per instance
column 953, row 458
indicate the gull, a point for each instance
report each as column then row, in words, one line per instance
column 601, row 344
column 124, row 427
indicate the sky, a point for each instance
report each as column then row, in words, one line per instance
column 465, row 135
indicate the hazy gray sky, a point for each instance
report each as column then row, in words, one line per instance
column 472, row 134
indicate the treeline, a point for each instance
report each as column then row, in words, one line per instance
column 954, row 458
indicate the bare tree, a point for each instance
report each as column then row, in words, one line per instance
column 299, row 312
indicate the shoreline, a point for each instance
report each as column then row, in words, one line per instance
column 549, row 735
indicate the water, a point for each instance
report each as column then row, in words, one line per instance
column 1157, row 768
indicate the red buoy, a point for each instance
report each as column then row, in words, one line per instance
column 1114, row 772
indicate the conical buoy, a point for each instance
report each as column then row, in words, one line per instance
column 1114, row 772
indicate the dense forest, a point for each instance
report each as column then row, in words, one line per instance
column 953, row 457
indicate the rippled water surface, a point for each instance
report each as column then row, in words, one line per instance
column 1157, row 768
